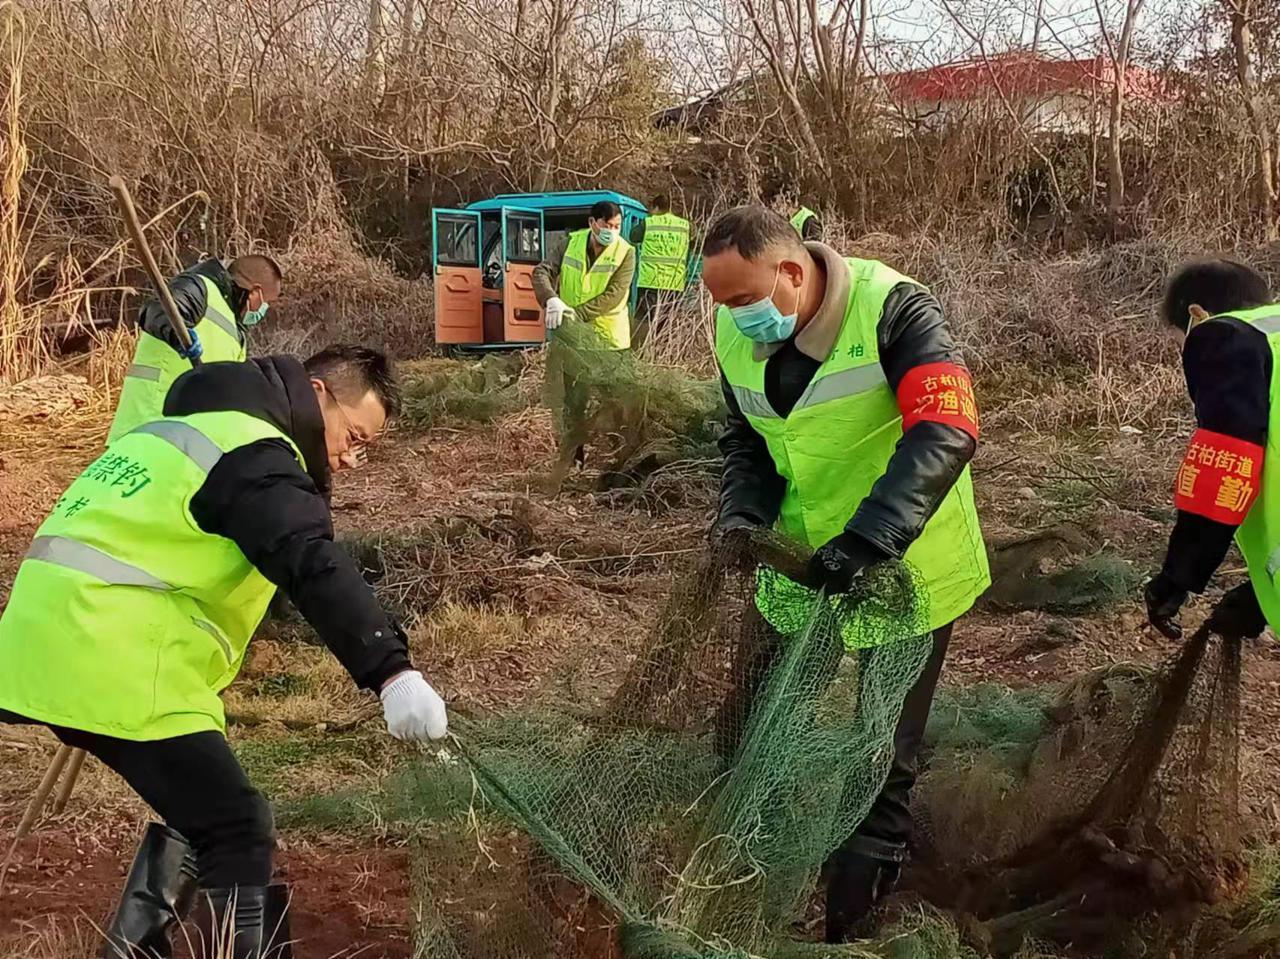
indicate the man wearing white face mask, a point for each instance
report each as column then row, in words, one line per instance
column 851, row 425
column 589, row 278
column 219, row 304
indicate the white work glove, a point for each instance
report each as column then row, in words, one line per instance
column 413, row 709
column 557, row 312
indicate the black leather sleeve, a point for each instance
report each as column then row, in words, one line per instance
column 1227, row 364
column 930, row 456
column 260, row 498
column 751, row 489
column 191, row 299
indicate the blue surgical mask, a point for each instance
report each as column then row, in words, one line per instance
column 254, row 317
column 606, row 236
column 762, row 321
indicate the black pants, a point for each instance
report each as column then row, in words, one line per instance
column 889, row 819
column 653, row 307
column 196, row 785
column 888, row 822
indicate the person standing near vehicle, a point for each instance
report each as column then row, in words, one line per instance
column 851, row 425
column 807, row 225
column 1228, row 484
column 589, row 278
column 219, row 304
column 663, row 241
column 135, row 604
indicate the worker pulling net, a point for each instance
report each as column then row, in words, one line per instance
column 692, row 815
column 641, row 417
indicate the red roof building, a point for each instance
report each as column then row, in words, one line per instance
column 1053, row 95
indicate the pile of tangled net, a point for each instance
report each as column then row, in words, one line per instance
column 644, row 417
column 1104, row 810
column 675, row 822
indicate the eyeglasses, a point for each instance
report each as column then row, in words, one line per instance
column 355, row 437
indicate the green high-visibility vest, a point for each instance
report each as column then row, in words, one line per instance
column 801, row 217
column 664, row 253
column 1259, row 535
column 579, row 284
column 832, row 449
column 156, row 365
column 127, row 619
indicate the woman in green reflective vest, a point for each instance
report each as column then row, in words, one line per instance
column 851, row 425
column 1227, row 486
column 219, row 305
column 135, row 604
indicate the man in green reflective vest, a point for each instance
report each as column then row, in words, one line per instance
column 663, row 241
column 136, row 602
column 807, row 224
column 851, row 425
column 1228, row 484
column 219, row 305
column 585, row 280
column 588, row 279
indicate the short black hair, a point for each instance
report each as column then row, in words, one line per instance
column 750, row 229
column 1217, row 285
column 660, row 202
column 352, row 371
column 256, row 269
column 605, row 210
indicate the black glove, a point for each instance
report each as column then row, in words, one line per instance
column 1238, row 615
column 841, row 561
column 731, row 539
column 1164, row 600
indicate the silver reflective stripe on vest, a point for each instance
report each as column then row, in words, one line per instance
column 676, row 260
column 227, row 323
column 860, row 379
column 212, row 630
column 62, row 551
column 572, row 262
column 141, row 372
column 753, row 404
column 1268, row 324
column 190, row 441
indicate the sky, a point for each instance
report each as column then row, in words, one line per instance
column 907, row 34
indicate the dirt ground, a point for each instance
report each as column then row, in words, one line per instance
column 583, row 574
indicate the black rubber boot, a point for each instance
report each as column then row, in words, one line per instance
column 862, row 875
column 276, row 923
column 246, row 922
column 157, row 895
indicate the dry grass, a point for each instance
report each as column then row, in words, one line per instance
column 23, row 352
column 296, row 687
column 57, row 937
column 457, row 629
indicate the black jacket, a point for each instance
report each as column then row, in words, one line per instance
column 191, row 298
column 926, row 464
column 1227, row 364
column 260, row 498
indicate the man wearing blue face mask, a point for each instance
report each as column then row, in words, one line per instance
column 219, row 304
column 851, row 425
column 589, row 278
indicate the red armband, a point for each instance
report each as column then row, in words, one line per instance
column 1219, row 478
column 938, row 393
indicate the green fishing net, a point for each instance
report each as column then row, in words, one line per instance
column 692, row 815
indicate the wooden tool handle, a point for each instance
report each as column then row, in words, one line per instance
column 134, row 228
